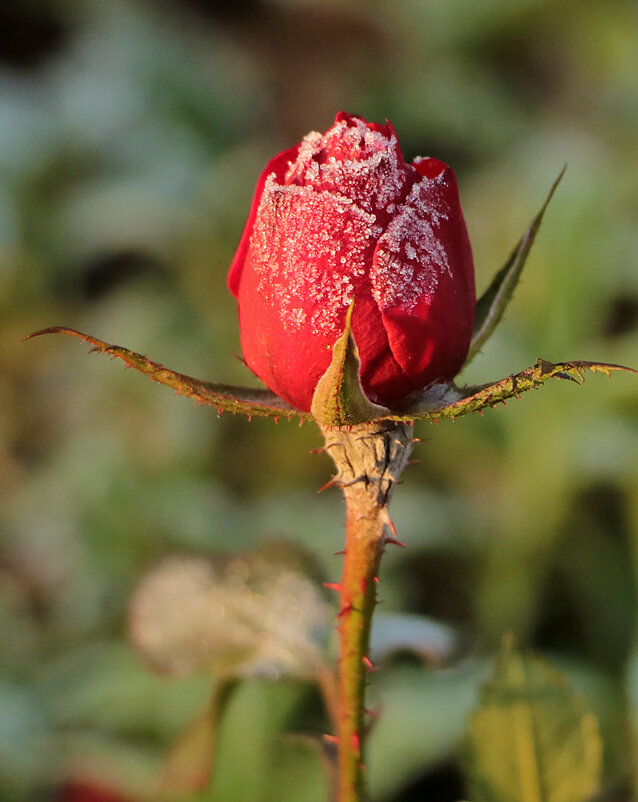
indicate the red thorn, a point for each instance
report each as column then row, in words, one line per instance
column 328, row 484
column 332, row 586
column 344, row 610
column 390, row 524
column 331, row 739
column 356, row 742
column 321, row 450
column 371, row 713
column 414, row 462
column 368, row 663
column 416, row 439
column 376, row 579
column 276, row 418
column 394, row 542
column 339, row 553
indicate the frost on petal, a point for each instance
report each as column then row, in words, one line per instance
column 356, row 162
column 410, row 256
column 308, row 249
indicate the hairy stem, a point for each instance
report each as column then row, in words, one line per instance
column 369, row 460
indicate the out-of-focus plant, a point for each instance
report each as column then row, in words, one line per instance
column 356, row 292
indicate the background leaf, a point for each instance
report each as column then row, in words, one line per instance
column 242, row 616
column 532, row 739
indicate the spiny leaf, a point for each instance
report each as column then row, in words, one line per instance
column 475, row 399
column 224, row 397
column 492, row 304
column 532, row 738
column 339, row 399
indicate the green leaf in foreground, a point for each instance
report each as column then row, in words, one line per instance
column 492, row 304
column 532, row 738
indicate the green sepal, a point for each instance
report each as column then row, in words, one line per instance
column 224, row 397
column 532, row 738
column 339, row 399
column 449, row 401
column 492, row 304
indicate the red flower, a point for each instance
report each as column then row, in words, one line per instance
column 339, row 218
column 88, row 792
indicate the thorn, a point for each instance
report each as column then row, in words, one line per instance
column 331, row 739
column 368, row 663
column 394, row 542
column 371, row 713
column 276, row 418
column 414, row 462
column 363, row 586
column 389, row 523
column 321, row 450
column 356, row 742
column 332, row 586
column 416, row 439
column 339, row 553
column 377, row 580
column 344, row 610
column 329, row 483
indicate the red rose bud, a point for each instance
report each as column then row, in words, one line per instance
column 77, row 791
column 339, row 218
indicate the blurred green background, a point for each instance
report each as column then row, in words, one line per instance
column 131, row 136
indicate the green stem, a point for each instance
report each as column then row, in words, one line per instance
column 369, row 460
column 364, row 545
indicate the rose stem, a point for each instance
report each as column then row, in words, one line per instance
column 369, row 459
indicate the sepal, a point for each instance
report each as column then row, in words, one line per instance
column 224, row 397
column 449, row 401
column 339, row 399
column 492, row 304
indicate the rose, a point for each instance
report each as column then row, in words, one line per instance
column 342, row 218
column 79, row 791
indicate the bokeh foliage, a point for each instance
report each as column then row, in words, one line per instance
column 131, row 135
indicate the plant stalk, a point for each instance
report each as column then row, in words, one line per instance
column 369, row 459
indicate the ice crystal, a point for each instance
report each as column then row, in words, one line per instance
column 410, row 256
column 347, row 192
